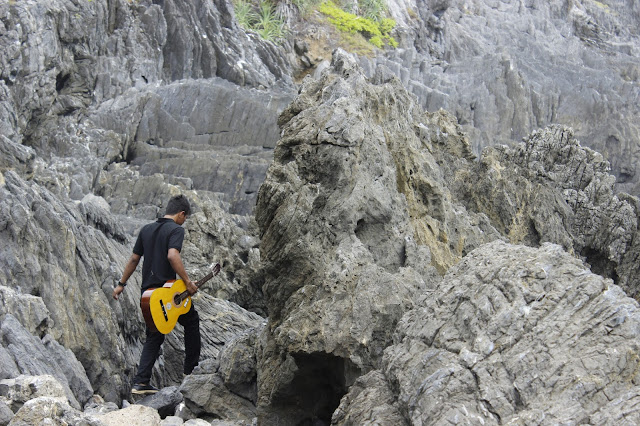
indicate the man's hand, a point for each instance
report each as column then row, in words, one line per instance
column 191, row 287
column 116, row 291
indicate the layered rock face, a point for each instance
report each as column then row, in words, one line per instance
column 367, row 199
column 389, row 276
column 510, row 336
column 507, row 68
column 95, row 138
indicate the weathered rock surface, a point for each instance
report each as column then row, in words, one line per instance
column 227, row 388
column 135, row 415
column 358, row 162
column 551, row 189
column 507, row 68
column 165, row 401
column 353, row 210
column 51, row 410
column 109, row 107
column 512, row 335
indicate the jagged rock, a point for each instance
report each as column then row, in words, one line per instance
column 50, row 410
column 134, row 415
column 164, row 402
column 52, row 253
column 27, row 309
column 370, row 400
column 238, row 367
column 8, row 367
column 226, row 387
column 5, row 414
column 15, row 156
column 551, row 189
column 512, row 334
column 133, row 101
column 205, row 393
column 211, row 134
column 36, row 357
column 354, row 209
column 505, row 69
column 24, row 388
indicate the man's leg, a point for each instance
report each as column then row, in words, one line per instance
column 191, row 323
column 150, row 352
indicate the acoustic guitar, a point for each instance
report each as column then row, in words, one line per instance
column 162, row 306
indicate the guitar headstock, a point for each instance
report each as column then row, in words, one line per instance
column 215, row 269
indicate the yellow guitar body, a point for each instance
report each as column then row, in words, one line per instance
column 162, row 306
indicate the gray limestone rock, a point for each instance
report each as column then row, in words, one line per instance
column 551, row 189
column 511, row 336
column 165, row 401
column 5, row 414
column 8, row 367
column 51, row 410
column 227, row 387
column 337, row 239
column 205, row 394
column 108, row 107
column 37, row 357
column 507, row 68
column 16, row 392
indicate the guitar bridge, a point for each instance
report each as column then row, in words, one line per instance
column 164, row 312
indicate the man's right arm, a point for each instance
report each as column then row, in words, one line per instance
column 176, row 263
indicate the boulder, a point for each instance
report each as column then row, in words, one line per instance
column 134, row 415
column 50, row 410
column 512, row 334
column 164, row 401
column 25, row 388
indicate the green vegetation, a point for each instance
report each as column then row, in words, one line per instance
column 372, row 9
column 261, row 18
column 372, row 26
column 306, row 6
column 376, row 31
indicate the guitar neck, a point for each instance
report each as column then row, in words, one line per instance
column 204, row 279
column 213, row 273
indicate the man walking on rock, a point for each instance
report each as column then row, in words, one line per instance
column 160, row 243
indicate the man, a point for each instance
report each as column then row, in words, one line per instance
column 160, row 243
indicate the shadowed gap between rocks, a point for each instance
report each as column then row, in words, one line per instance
column 319, row 384
column 600, row 264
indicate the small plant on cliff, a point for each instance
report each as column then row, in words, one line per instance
column 377, row 32
column 306, row 6
column 373, row 9
column 260, row 18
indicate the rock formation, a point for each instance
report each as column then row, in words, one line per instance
column 364, row 192
column 507, row 68
column 512, row 335
column 376, row 265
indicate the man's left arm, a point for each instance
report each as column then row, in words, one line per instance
column 129, row 268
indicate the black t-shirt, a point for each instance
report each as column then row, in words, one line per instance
column 154, row 242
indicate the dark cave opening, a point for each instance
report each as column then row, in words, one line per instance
column 599, row 263
column 319, row 384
